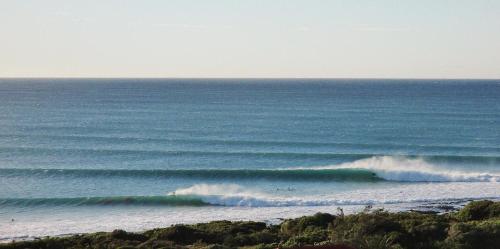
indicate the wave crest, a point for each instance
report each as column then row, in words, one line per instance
column 376, row 168
column 402, row 169
column 233, row 195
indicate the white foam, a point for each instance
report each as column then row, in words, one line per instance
column 402, row 169
column 216, row 189
column 232, row 195
column 226, row 195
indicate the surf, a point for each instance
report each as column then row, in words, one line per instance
column 403, row 169
column 372, row 169
column 233, row 195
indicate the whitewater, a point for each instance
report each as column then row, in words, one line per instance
column 101, row 154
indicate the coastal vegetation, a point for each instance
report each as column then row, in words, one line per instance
column 477, row 225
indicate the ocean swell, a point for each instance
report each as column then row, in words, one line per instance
column 376, row 168
column 402, row 169
column 168, row 200
column 272, row 174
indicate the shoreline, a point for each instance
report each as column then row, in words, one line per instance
column 438, row 206
column 399, row 228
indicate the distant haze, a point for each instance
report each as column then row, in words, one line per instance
column 244, row 38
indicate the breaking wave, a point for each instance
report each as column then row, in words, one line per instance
column 236, row 195
column 376, row 168
column 402, row 169
column 232, row 195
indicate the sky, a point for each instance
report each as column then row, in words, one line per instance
column 250, row 38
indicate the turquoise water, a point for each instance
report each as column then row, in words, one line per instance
column 139, row 153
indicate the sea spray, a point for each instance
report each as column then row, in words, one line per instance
column 402, row 169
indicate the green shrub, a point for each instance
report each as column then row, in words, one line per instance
column 123, row 235
column 296, row 226
column 181, row 234
column 475, row 234
column 479, row 210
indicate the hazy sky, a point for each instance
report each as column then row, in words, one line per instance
column 250, row 38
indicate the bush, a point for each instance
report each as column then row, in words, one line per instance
column 181, row 234
column 123, row 235
column 475, row 234
column 479, row 210
column 297, row 226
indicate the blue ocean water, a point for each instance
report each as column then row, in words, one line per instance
column 80, row 155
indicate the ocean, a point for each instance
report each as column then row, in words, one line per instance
column 86, row 155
